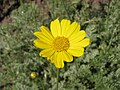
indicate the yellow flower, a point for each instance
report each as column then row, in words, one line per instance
column 63, row 41
column 33, row 75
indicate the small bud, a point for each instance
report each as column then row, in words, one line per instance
column 33, row 75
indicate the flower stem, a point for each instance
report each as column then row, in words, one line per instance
column 57, row 77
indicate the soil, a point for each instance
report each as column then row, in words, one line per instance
column 6, row 7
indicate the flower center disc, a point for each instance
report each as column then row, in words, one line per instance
column 60, row 44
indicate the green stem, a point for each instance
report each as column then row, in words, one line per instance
column 57, row 77
column 76, row 66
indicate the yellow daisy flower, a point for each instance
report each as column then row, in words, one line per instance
column 63, row 41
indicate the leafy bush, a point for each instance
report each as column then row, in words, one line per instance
column 98, row 69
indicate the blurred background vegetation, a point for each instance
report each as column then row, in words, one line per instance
column 98, row 69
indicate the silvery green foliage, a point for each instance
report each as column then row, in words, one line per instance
column 98, row 69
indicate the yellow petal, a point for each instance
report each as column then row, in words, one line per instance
column 46, row 32
column 67, row 57
column 85, row 42
column 76, row 52
column 43, row 37
column 53, row 57
column 64, row 26
column 58, row 60
column 47, row 52
column 78, row 36
column 55, row 28
column 41, row 44
column 74, row 27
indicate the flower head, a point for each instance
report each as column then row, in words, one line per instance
column 63, row 41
